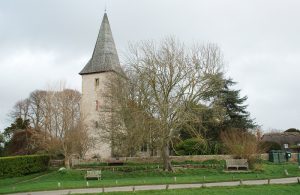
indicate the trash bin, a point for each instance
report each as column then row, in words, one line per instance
column 282, row 156
column 277, row 156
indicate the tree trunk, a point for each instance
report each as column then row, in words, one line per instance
column 167, row 166
column 67, row 162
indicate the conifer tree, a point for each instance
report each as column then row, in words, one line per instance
column 236, row 114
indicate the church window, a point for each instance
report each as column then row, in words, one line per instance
column 97, row 105
column 144, row 147
column 97, row 82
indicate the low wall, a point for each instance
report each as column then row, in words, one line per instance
column 157, row 159
column 196, row 158
column 294, row 157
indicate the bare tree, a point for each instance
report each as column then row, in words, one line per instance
column 169, row 77
column 242, row 144
column 62, row 126
column 163, row 80
column 124, row 124
column 37, row 101
column 21, row 110
column 54, row 116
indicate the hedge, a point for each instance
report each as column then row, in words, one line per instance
column 23, row 165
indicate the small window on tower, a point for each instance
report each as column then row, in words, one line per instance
column 97, row 105
column 97, row 82
column 96, row 124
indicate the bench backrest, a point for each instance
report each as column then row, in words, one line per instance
column 93, row 173
column 236, row 161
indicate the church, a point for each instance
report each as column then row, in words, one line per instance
column 103, row 65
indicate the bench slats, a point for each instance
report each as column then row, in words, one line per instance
column 93, row 174
column 237, row 163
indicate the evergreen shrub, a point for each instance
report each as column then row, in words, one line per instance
column 23, row 165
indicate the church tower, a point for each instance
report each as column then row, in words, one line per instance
column 103, row 64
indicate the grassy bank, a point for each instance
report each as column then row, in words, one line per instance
column 75, row 178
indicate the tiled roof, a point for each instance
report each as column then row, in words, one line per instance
column 105, row 57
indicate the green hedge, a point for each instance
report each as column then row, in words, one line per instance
column 23, row 165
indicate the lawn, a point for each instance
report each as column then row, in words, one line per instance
column 245, row 190
column 75, row 178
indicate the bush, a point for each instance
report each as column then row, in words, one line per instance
column 242, row 144
column 23, row 165
column 197, row 146
column 192, row 146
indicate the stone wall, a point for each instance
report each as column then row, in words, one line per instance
column 196, row 158
column 294, row 157
column 157, row 159
column 93, row 103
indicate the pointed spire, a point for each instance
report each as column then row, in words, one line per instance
column 105, row 57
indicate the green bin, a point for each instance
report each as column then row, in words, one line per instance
column 277, row 156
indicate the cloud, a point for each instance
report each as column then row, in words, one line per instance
column 28, row 70
column 50, row 40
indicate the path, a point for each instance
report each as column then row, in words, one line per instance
column 162, row 187
column 34, row 178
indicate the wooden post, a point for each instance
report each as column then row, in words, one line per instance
column 167, row 186
column 298, row 180
column 241, row 182
column 133, row 189
column 103, row 190
column 269, row 181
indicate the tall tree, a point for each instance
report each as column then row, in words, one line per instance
column 18, row 124
column 236, row 114
column 232, row 109
column 167, row 76
column 18, row 136
column 52, row 120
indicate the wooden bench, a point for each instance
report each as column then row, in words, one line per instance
column 237, row 163
column 115, row 162
column 93, row 175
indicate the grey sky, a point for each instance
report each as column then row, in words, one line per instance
column 46, row 41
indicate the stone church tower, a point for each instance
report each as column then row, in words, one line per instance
column 103, row 64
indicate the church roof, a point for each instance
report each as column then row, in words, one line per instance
column 105, row 57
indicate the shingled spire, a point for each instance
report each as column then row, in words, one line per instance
column 105, row 57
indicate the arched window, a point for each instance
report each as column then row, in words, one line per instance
column 97, row 105
column 96, row 82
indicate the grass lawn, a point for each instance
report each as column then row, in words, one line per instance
column 75, row 178
column 245, row 190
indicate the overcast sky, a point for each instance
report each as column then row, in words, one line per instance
column 42, row 42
